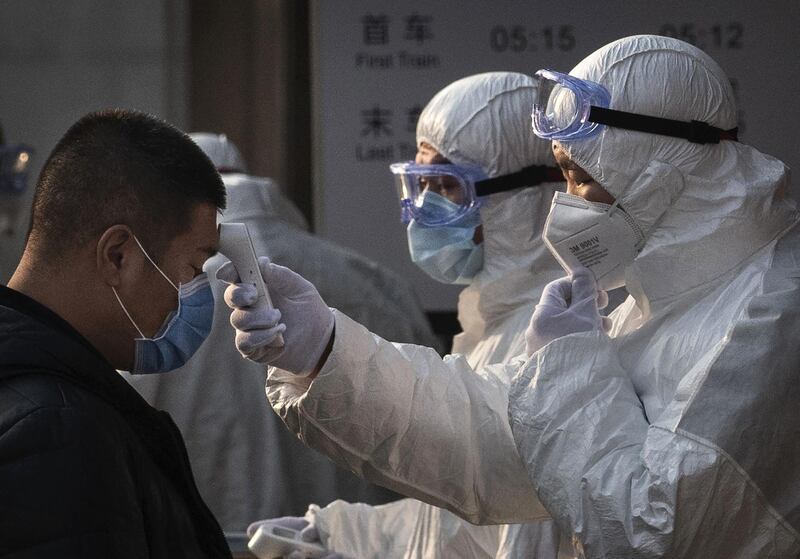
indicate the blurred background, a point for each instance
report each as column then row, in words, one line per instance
column 322, row 95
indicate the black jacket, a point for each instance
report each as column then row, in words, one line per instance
column 87, row 468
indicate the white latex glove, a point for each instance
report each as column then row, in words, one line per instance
column 308, row 533
column 307, row 320
column 567, row 306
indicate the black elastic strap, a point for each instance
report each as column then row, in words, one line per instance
column 529, row 176
column 694, row 131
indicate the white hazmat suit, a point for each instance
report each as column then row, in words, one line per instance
column 678, row 436
column 247, row 465
column 479, row 120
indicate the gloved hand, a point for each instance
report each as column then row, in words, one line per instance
column 308, row 533
column 567, row 306
column 307, row 320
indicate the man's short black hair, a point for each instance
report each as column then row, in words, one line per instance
column 120, row 167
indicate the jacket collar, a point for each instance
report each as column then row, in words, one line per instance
column 32, row 337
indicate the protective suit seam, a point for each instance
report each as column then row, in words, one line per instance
column 722, row 346
column 700, row 440
column 742, row 472
column 701, row 382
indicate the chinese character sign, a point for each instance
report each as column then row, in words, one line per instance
column 379, row 62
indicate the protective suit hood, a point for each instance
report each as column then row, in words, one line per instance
column 460, row 122
column 259, row 198
column 474, row 121
column 221, row 151
column 249, row 197
column 517, row 264
column 668, row 435
column 664, row 183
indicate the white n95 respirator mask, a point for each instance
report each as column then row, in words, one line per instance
column 601, row 237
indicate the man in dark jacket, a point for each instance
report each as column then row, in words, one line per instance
column 124, row 216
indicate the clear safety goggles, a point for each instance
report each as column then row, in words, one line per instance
column 460, row 185
column 14, row 166
column 569, row 108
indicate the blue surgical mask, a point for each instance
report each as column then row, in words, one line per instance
column 446, row 253
column 183, row 331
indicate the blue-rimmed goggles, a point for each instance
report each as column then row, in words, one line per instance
column 462, row 186
column 14, row 166
column 569, row 108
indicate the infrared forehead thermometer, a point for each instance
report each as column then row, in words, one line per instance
column 235, row 243
column 272, row 540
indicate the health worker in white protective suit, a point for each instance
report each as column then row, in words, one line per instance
column 675, row 435
column 247, row 465
column 471, row 136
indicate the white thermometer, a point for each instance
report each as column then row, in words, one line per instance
column 272, row 540
column 235, row 243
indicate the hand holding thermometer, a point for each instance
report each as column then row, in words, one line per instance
column 235, row 243
column 273, row 540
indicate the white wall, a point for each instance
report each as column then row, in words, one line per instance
column 60, row 60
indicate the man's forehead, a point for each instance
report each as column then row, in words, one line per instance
column 202, row 234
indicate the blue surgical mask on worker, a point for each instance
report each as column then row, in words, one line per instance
column 447, row 253
column 183, row 331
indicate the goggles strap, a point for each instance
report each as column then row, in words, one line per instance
column 695, row 131
column 533, row 175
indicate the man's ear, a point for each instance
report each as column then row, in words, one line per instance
column 114, row 250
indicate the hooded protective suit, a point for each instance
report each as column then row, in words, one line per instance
column 674, row 437
column 479, row 120
column 247, row 466
column 678, row 435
